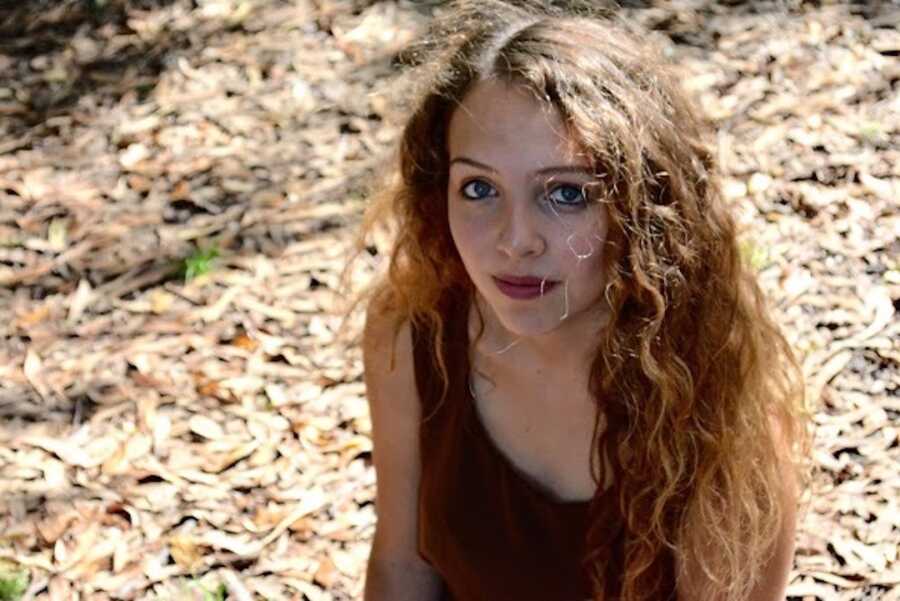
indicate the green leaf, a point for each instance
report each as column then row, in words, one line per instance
column 754, row 256
column 871, row 131
column 217, row 595
column 12, row 586
column 199, row 263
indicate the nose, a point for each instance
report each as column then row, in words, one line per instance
column 521, row 235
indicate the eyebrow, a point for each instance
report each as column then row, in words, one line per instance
column 544, row 171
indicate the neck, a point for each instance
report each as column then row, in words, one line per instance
column 568, row 348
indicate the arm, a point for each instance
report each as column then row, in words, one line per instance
column 395, row 571
column 774, row 582
column 773, row 586
column 776, row 574
column 401, row 582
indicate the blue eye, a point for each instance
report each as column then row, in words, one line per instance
column 567, row 195
column 477, row 189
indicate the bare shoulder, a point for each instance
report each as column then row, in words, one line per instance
column 385, row 330
column 394, row 409
column 388, row 370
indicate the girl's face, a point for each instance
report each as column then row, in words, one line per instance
column 517, row 208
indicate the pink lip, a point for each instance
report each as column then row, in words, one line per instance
column 527, row 280
column 526, row 291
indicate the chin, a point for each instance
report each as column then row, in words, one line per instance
column 525, row 322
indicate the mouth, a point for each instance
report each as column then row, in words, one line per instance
column 523, row 287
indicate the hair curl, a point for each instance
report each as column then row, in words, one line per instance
column 700, row 392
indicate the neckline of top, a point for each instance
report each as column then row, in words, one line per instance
column 521, row 475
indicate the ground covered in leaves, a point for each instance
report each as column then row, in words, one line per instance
column 179, row 184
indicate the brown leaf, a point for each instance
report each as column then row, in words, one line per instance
column 186, row 552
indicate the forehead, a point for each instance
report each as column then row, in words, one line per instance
column 496, row 119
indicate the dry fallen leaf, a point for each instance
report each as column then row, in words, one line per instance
column 152, row 426
column 205, row 427
column 186, row 552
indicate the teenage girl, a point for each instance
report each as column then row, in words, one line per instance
column 575, row 387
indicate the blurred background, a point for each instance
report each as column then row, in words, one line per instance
column 180, row 181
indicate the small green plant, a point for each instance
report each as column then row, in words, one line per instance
column 219, row 593
column 871, row 131
column 753, row 255
column 12, row 584
column 198, row 263
column 96, row 6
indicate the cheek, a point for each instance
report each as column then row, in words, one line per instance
column 453, row 221
column 465, row 232
column 581, row 245
column 582, row 252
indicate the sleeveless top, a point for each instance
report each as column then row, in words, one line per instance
column 489, row 530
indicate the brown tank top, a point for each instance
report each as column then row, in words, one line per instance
column 491, row 532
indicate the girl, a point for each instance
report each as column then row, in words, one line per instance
column 575, row 389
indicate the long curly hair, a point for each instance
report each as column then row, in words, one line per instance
column 701, row 394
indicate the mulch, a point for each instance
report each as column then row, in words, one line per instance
column 180, row 182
